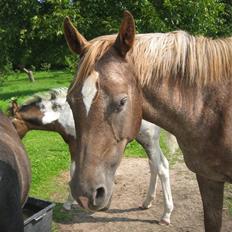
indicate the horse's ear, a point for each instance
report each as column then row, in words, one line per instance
column 14, row 107
column 126, row 35
column 76, row 42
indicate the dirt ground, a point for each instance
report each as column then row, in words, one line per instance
column 129, row 192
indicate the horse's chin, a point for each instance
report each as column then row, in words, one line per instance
column 107, row 206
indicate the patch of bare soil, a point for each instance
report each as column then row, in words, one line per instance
column 129, row 193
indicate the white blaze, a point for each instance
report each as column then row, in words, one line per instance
column 89, row 90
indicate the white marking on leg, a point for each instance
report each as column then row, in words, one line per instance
column 160, row 165
column 72, row 168
column 89, row 90
column 163, row 173
column 152, row 187
column 68, row 203
column 149, row 138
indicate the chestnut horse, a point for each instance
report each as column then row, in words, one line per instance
column 50, row 111
column 15, row 177
column 175, row 80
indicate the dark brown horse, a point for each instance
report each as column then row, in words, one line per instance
column 15, row 177
column 177, row 81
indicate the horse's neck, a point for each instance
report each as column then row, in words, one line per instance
column 166, row 104
column 174, row 109
column 190, row 111
column 66, row 122
column 61, row 122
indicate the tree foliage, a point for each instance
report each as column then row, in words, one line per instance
column 31, row 32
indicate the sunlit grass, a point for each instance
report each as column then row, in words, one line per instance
column 49, row 155
column 18, row 86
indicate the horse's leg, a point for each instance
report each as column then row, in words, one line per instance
column 148, row 137
column 171, row 142
column 68, row 203
column 212, row 199
column 152, row 187
column 11, row 218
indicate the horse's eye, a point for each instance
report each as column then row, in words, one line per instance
column 42, row 106
column 119, row 106
column 123, row 101
column 56, row 106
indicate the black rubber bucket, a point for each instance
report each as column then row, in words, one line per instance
column 37, row 215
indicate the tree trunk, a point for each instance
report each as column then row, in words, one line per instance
column 30, row 74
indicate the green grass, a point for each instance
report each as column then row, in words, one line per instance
column 49, row 155
column 228, row 197
column 18, row 85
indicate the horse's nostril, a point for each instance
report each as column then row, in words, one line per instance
column 100, row 193
column 99, row 197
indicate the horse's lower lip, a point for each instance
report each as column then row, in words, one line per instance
column 84, row 202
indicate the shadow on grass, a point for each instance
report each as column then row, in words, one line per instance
column 79, row 215
column 6, row 96
column 56, row 78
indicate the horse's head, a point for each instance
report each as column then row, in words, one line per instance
column 106, row 102
column 39, row 112
column 18, row 119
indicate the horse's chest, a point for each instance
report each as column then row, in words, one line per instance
column 206, row 159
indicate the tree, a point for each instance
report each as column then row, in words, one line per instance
column 31, row 32
column 198, row 17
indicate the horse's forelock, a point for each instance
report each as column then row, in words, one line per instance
column 97, row 48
